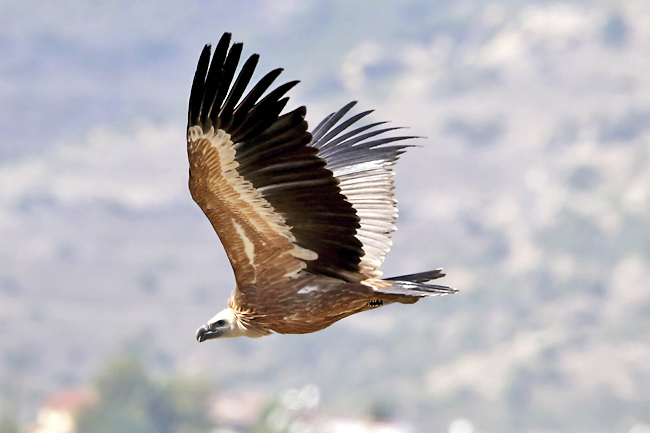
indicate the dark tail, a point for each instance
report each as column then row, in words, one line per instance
column 417, row 285
column 421, row 277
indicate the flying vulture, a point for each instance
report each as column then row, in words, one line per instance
column 305, row 217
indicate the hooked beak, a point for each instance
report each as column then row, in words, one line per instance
column 205, row 332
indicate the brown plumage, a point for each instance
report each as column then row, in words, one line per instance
column 305, row 218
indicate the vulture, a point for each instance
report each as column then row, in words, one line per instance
column 305, row 217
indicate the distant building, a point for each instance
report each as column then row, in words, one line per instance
column 349, row 425
column 298, row 411
column 58, row 412
column 237, row 411
column 295, row 411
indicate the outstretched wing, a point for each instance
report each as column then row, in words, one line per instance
column 275, row 206
column 364, row 167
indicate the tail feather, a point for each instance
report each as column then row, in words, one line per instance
column 420, row 277
column 416, row 285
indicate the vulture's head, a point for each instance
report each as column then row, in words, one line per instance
column 224, row 325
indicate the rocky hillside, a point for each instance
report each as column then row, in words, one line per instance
column 532, row 190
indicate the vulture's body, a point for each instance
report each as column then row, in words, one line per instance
column 305, row 218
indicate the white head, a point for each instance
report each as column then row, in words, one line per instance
column 224, row 324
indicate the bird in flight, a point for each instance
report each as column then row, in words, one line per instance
column 305, row 217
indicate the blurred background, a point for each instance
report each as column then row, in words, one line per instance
column 531, row 189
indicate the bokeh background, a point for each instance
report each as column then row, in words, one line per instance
column 531, row 189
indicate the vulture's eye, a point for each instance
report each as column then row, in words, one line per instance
column 220, row 322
